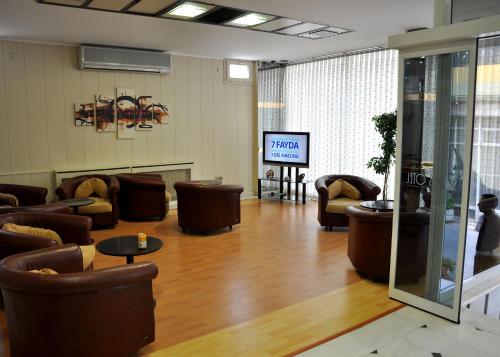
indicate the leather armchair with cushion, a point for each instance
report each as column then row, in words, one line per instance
column 108, row 312
column 142, row 196
column 71, row 229
column 104, row 212
column 26, row 195
column 334, row 215
column 203, row 207
column 56, row 207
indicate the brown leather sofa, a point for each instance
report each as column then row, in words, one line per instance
column 71, row 229
column 26, row 195
column 369, row 244
column 369, row 191
column 142, row 196
column 204, row 207
column 99, row 220
column 107, row 312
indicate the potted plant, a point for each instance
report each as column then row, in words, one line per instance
column 385, row 124
column 450, row 213
column 447, row 267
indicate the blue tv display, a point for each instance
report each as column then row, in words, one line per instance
column 286, row 148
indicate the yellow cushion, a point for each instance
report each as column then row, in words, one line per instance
column 44, row 271
column 350, row 191
column 100, row 205
column 33, row 231
column 100, row 187
column 168, row 196
column 88, row 254
column 84, row 190
column 10, row 199
column 335, row 189
column 338, row 205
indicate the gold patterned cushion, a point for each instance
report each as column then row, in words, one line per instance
column 350, row 191
column 335, row 189
column 100, row 205
column 11, row 200
column 100, row 187
column 33, row 231
column 88, row 254
column 338, row 205
column 44, row 271
column 84, row 190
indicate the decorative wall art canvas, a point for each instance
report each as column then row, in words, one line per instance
column 161, row 113
column 144, row 113
column 84, row 114
column 105, row 113
column 125, row 113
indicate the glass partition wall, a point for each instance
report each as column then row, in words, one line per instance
column 434, row 134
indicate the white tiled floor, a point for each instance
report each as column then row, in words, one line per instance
column 410, row 332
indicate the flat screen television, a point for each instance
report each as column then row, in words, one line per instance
column 286, row 148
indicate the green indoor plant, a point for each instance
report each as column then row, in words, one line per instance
column 385, row 124
column 447, row 267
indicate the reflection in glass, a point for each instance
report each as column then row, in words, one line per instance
column 483, row 226
column 434, row 116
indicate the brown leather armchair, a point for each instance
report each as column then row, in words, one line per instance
column 99, row 220
column 108, row 312
column 203, row 207
column 26, row 195
column 142, row 196
column 369, row 191
column 71, row 229
column 56, row 207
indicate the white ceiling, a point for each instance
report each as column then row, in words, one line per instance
column 372, row 21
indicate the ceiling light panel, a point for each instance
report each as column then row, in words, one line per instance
column 66, row 2
column 113, row 5
column 221, row 15
column 277, row 24
column 150, row 7
column 316, row 35
column 338, row 30
column 188, row 10
column 249, row 20
column 301, row 28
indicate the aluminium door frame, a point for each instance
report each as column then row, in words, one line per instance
column 449, row 313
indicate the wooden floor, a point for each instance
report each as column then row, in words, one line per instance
column 276, row 258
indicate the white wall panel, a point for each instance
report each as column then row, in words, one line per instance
column 210, row 123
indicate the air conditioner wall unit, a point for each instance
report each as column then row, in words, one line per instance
column 123, row 59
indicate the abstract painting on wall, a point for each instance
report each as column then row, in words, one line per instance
column 161, row 113
column 105, row 113
column 84, row 114
column 144, row 114
column 125, row 113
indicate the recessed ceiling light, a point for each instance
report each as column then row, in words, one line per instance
column 251, row 19
column 318, row 34
column 150, row 7
column 338, row 30
column 301, row 28
column 276, row 24
column 188, row 10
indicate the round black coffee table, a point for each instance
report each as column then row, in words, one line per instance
column 378, row 206
column 126, row 246
column 76, row 203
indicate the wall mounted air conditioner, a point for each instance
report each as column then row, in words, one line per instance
column 123, row 59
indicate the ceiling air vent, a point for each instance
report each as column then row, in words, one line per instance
column 123, row 59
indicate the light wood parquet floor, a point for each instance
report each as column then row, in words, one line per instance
column 277, row 257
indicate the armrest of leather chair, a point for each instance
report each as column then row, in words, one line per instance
column 66, row 189
column 18, row 242
column 56, row 207
column 322, row 190
column 369, row 190
column 26, row 195
column 113, row 185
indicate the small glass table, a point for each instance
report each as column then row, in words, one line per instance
column 378, row 206
column 76, row 203
column 126, row 246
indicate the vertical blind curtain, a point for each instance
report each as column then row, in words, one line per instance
column 333, row 99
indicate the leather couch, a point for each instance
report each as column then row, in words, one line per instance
column 369, row 244
column 26, row 195
column 107, row 312
column 99, row 220
column 204, row 207
column 142, row 196
column 71, row 229
column 369, row 191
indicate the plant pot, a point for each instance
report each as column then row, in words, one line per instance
column 445, row 273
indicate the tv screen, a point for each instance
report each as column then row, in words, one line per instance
column 286, row 148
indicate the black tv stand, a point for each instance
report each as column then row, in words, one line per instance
column 283, row 194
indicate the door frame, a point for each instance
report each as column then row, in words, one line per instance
column 450, row 313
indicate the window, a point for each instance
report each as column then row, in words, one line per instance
column 238, row 72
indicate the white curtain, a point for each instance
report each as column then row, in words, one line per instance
column 333, row 99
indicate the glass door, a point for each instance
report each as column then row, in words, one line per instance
column 433, row 166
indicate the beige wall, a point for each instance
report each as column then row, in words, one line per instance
column 212, row 123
